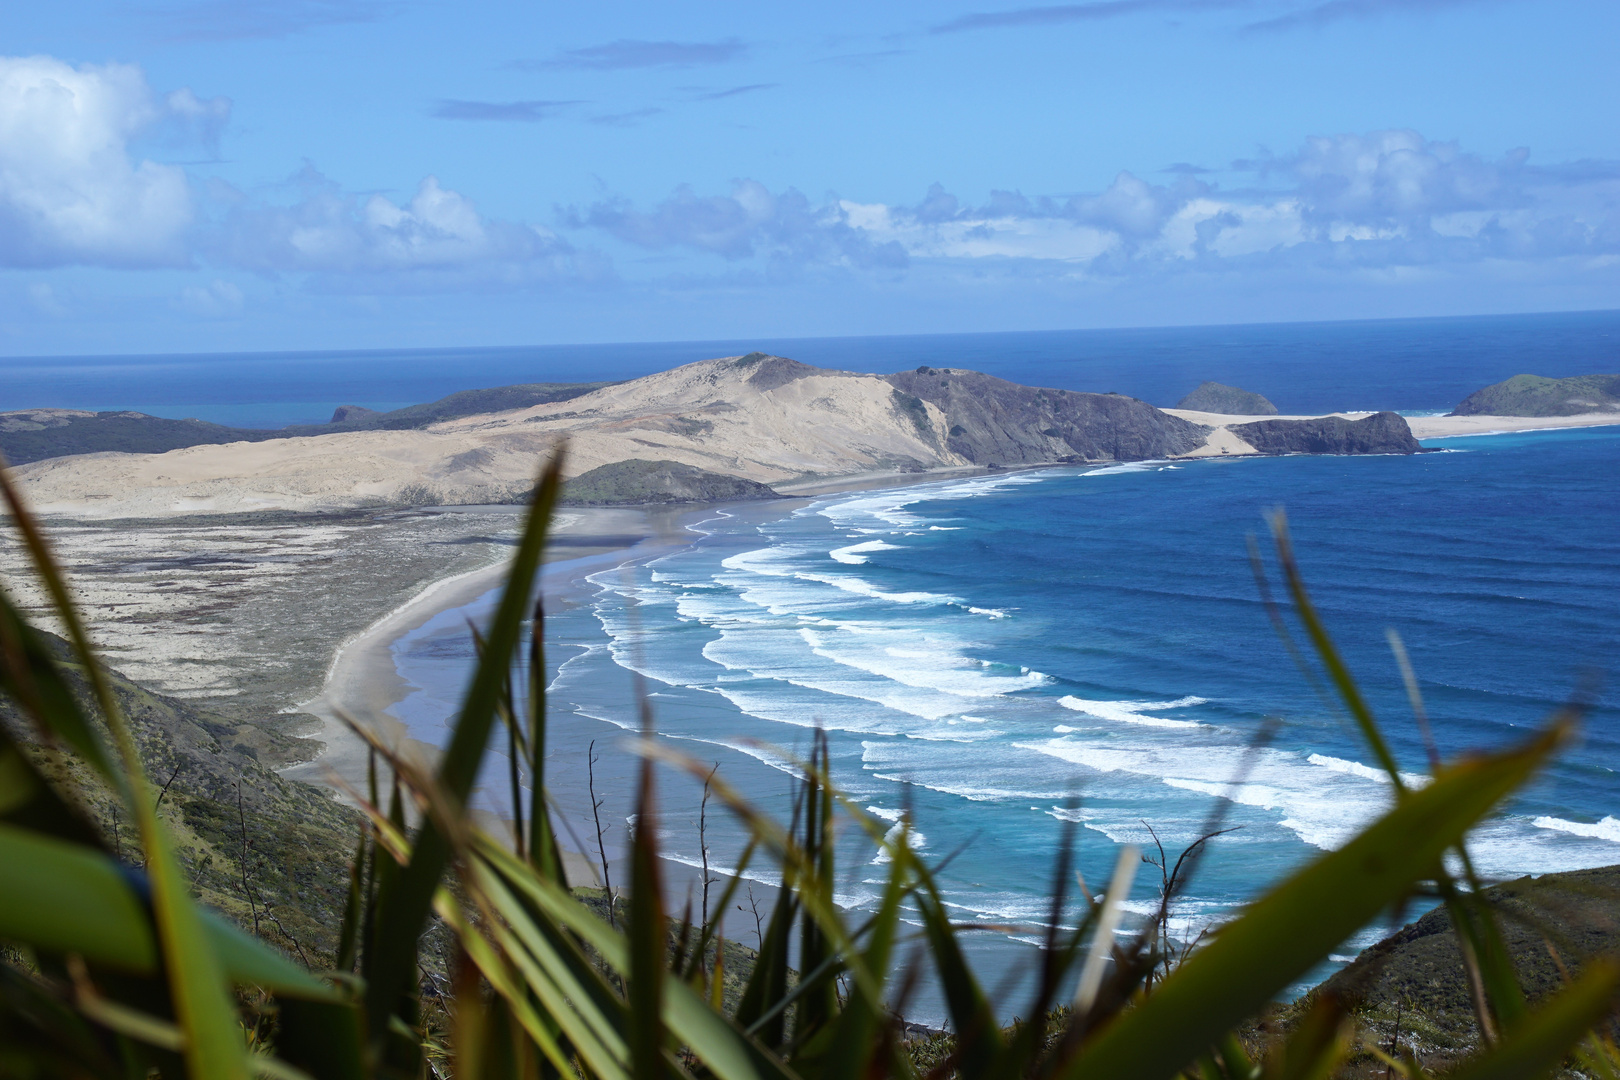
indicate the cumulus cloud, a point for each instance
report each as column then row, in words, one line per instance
column 630, row 53
column 326, row 230
column 787, row 229
column 1383, row 199
column 71, row 191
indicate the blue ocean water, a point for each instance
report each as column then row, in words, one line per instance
column 1404, row 364
column 1003, row 655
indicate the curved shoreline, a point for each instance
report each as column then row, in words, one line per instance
column 363, row 682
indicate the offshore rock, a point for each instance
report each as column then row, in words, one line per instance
column 1214, row 397
column 1380, row 433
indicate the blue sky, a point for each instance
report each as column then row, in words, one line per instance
column 182, row 176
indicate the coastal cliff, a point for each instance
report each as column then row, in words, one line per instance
column 991, row 420
column 1536, row 395
column 1380, row 433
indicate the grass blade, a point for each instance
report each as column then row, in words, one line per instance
column 402, row 910
column 1538, row 1045
column 1283, row 934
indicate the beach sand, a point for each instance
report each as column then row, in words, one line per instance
column 363, row 683
column 1446, row 427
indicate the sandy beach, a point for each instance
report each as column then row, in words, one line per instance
column 1447, row 427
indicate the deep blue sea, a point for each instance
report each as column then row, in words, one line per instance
column 1067, row 652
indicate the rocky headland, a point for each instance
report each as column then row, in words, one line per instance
column 1379, row 433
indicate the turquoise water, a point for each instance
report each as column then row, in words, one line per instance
column 1004, row 655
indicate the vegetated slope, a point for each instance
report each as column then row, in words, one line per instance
column 1380, row 433
column 1214, row 397
column 1536, row 395
column 249, row 840
column 462, row 403
column 1420, row 967
column 36, row 434
column 991, row 420
column 633, row 482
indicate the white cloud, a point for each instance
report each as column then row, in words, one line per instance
column 43, row 299
column 218, row 299
column 329, row 231
column 70, row 190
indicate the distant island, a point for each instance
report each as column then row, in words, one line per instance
column 1214, row 397
column 1537, row 395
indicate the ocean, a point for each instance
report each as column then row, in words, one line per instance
column 1406, row 364
column 1070, row 655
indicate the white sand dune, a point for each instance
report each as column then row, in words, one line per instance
column 714, row 415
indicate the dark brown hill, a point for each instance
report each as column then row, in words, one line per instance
column 993, row 421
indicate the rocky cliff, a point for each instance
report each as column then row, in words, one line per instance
column 1535, row 395
column 1380, row 433
column 993, row 421
column 1214, row 397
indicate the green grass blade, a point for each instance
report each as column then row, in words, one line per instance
column 32, row 676
column 353, row 905
column 325, row 1039
column 1298, row 923
column 59, row 898
column 648, row 939
column 197, row 988
column 716, row 1040
column 979, row 1040
column 402, row 910
column 29, row 801
column 1541, row 1043
column 543, row 851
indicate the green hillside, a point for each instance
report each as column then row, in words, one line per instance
column 1537, row 395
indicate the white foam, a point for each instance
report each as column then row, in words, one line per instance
column 1366, row 772
column 1608, row 829
column 855, row 554
column 1132, row 712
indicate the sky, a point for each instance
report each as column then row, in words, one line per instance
column 234, row 175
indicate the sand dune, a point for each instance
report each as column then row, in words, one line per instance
column 719, row 415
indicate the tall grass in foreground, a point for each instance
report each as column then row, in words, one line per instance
column 118, row 972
